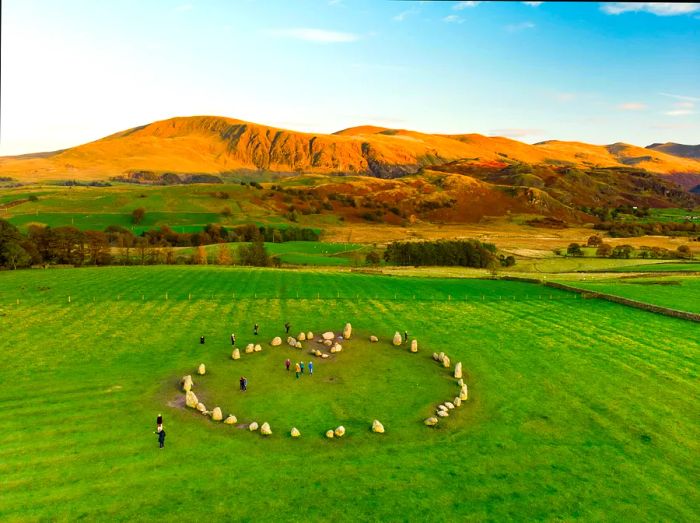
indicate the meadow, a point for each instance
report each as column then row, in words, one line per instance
column 578, row 409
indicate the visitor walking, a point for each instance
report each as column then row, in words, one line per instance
column 159, row 423
column 287, row 326
column 241, row 382
column 201, row 340
column 255, row 329
column 233, row 339
column 161, row 438
column 287, row 363
column 302, row 367
column 245, row 384
column 297, row 370
column 405, row 336
column 311, row 368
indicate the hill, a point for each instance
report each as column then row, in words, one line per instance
column 677, row 149
column 215, row 145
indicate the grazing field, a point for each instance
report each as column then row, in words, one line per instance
column 680, row 293
column 578, row 409
column 661, row 267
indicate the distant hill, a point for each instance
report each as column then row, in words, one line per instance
column 214, row 145
column 677, row 149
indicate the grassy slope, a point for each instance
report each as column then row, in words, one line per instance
column 578, row 409
column 682, row 293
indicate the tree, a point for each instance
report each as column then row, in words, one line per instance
column 594, row 241
column 254, row 254
column 137, row 215
column 603, row 250
column 200, row 257
column 98, row 248
column 574, row 249
column 14, row 255
column 372, row 258
column 224, row 257
column 622, row 251
column 683, row 251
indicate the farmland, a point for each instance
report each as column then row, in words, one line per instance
column 568, row 416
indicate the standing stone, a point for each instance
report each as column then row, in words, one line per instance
column 377, row 427
column 441, row 357
column 298, row 345
column 460, row 382
column 442, row 413
column 231, row 420
column 458, row 370
column 328, row 335
column 435, row 356
column 442, row 407
column 292, row 342
column 202, row 370
column 249, row 348
column 449, row 405
column 187, row 383
column 464, row 393
column 201, row 407
column 457, row 401
column 265, row 429
column 301, row 337
column 324, row 355
column 216, row 414
column 327, row 343
column 310, row 336
column 191, row 399
column 431, row 421
column 414, row 345
column 257, row 348
column 340, row 431
column 446, row 362
column 373, row 339
column 253, row 427
column 236, row 354
column 276, row 341
column 347, row 331
column 330, row 434
column 295, row 432
column 397, row 339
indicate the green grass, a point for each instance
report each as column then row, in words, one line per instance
column 681, row 293
column 579, row 409
column 560, row 264
column 661, row 267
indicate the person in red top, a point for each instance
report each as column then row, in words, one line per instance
column 287, row 364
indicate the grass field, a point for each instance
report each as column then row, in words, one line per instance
column 681, row 293
column 578, row 409
column 660, row 267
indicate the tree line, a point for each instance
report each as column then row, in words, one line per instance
column 462, row 253
column 42, row 245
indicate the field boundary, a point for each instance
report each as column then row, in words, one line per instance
column 657, row 309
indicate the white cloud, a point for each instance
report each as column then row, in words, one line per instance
column 520, row 27
column 681, row 97
column 453, row 19
column 684, row 105
column 679, row 112
column 405, row 14
column 516, row 132
column 632, row 106
column 656, row 8
column 533, row 4
column 464, row 5
column 322, row 36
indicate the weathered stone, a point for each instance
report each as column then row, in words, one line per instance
column 436, row 357
column 191, row 399
column 201, row 407
column 324, row 356
column 333, row 351
column 397, row 339
column 292, row 342
column 327, row 343
column 253, row 426
column 318, row 352
column 431, row 421
column 257, row 348
column 299, row 346
column 265, row 429
column 441, row 357
column 457, row 401
column 377, row 427
column 414, row 345
column 446, row 362
column 442, row 407
column 276, row 341
column 373, row 339
column 460, row 382
column 328, row 335
column 301, row 336
column 295, row 432
column 442, row 413
column 216, row 414
column 347, row 331
column 250, row 348
column 338, row 347
column 340, row 432
column 231, row 420
column 201, row 370
column 449, row 405
column 464, row 393
column 236, row 354
column 330, row 434
column 309, row 336
column 187, row 383
column 458, row 370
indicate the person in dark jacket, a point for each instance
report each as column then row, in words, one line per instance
column 159, row 422
column 233, row 339
column 245, row 384
column 301, row 366
column 255, row 329
column 201, row 340
column 241, row 382
column 287, row 326
column 161, row 438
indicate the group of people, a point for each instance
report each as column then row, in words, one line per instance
column 299, row 367
column 243, row 383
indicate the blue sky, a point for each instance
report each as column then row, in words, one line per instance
column 77, row 70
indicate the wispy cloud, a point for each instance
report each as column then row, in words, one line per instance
column 632, row 106
column 453, row 19
column 464, row 5
column 320, row 36
column 655, row 8
column 513, row 28
column 679, row 112
column 533, row 4
column 681, row 97
column 684, row 105
column 516, row 132
column 405, row 14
